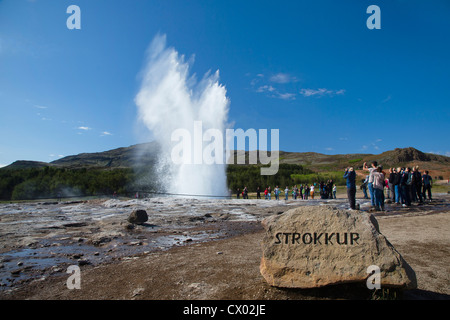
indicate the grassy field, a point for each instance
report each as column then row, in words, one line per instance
column 440, row 188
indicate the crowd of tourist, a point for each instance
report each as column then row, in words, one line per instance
column 401, row 186
column 327, row 190
column 404, row 185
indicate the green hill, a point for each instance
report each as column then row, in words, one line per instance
column 146, row 155
column 130, row 169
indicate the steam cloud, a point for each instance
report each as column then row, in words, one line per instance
column 170, row 99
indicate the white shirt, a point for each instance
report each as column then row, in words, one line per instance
column 371, row 171
column 378, row 180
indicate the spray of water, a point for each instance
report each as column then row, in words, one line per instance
column 170, row 99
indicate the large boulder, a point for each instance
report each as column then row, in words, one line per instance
column 315, row 246
column 138, row 217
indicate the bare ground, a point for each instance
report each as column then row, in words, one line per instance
column 228, row 268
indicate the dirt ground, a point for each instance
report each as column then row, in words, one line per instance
column 228, row 268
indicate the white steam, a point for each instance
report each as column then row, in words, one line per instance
column 171, row 99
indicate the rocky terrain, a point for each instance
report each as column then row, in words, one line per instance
column 189, row 249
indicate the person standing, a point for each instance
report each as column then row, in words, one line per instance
column 378, row 186
column 245, row 193
column 238, row 193
column 334, row 191
column 391, row 185
column 397, row 186
column 410, row 183
column 266, row 192
column 286, row 192
column 418, row 182
column 350, row 175
column 427, row 184
column 258, row 193
column 322, row 190
column 405, row 183
column 413, row 185
column 330, row 189
column 312, row 191
column 370, row 182
column 364, row 187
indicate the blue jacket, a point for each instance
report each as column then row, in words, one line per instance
column 351, row 179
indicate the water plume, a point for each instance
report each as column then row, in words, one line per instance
column 170, row 99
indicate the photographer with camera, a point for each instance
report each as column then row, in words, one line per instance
column 350, row 175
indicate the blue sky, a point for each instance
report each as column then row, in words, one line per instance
column 311, row 69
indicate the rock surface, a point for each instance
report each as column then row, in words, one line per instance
column 138, row 216
column 310, row 247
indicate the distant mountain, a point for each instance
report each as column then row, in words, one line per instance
column 407, row 155
column 437, row 165
column 146, row 154
column 141, row 154
column 126, row 157
column 325, row 162
column 25, row 164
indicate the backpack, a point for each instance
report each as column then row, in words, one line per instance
column 409, row 181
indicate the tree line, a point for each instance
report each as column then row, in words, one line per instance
column 53, row 182
column 35, row 183
column 240, row 176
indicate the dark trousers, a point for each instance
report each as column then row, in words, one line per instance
column 419, row 192
column 413, row 193
column 351, row 194
column 379, row 198
column 406, row 194
column 427, row 187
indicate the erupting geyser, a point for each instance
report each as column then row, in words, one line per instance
column 170, row 99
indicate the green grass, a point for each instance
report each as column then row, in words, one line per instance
column 336, row 176
column 439, row 188
column 386, row 294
